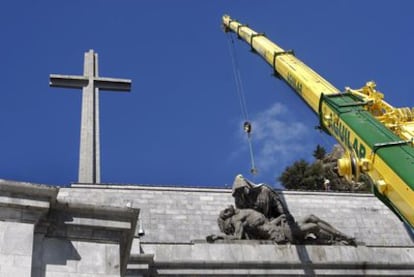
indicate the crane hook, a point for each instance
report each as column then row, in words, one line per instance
column 253, row 170
column 247, row 127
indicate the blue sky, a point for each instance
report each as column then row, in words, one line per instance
column 181, row 123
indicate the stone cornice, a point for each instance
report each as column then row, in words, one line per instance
column 25, row 202
column 72, row 220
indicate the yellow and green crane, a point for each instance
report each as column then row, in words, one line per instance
column 377, row 137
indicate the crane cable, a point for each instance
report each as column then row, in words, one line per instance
column 247, row 126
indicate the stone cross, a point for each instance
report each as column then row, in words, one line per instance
column 89, row 158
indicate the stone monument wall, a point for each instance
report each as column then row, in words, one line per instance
column 16, row 250
column 115, row 230
column 180, row 215
column 176, row 221
column 56, row 257
column 41, row 236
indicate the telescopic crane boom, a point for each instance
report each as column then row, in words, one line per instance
column 377, row 138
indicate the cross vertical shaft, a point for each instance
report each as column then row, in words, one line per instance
column 91, row 83
column 89, row 156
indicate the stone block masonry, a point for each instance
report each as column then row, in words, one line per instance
column 40, row 236
column 22, row 206
column 94, row 230
column 16, row 248
column 180, row 215
column 176, row 221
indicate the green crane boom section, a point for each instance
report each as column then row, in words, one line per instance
column 371, row 147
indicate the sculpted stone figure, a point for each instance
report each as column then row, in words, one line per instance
column 251, row 224
column 260, row 214
column 261, row 198
column 248, row 224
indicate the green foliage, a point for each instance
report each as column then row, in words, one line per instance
column 319, row 153
column 302, row 175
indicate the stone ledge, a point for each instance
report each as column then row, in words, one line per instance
column 22, row 202
column 93, row 223
column 25, row 202
column 28, row 189
column 80, row 221
column 265, row 259
column 203, row 189
column 148, row 187
column 73, row 220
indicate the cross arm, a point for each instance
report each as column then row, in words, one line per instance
column 68, row 81
column 113, row 84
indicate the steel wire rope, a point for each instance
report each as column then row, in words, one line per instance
column 242, row 101
column 237, row 78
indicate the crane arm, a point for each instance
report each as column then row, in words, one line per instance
column 306, row 82
column 371, row 146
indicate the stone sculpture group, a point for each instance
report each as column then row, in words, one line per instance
column 260, row 214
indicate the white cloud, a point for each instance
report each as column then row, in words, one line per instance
column 277, row 140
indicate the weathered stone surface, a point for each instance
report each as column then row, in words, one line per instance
column 268, row 259
column 90, row 83
column 15, row 248
column 62, row 257
column 180, row 215
column 80, row 234
column 85, row 239
column 175, row 220
column 22, row 205
column 16, row 238
column 40, row 236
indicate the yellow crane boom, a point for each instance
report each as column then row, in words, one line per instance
column 302, row 78
column 377, row 137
